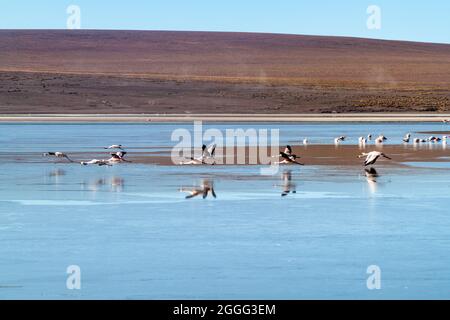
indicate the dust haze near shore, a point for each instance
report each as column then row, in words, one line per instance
column 131, row 72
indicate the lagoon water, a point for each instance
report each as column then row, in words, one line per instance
column 135, row 236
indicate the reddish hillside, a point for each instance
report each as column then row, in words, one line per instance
column 156, row 72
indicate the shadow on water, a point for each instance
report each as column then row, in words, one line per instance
column 205, row 188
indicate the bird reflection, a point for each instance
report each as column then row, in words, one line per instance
column 288, row 186
column 117, row 184
column 95, row 185
column 57, row 173
column 54, row 176
column 114, row 183
column 206, row 187
column 372, row 175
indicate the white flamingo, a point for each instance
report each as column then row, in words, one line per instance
column 380, row 139
column 114, row 146
column 97, row 162
column 339, row 139
column 406, row 138
column 362, row 141
column 372, row 157
column 207, row 153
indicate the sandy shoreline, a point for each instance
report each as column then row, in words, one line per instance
column 155, row 118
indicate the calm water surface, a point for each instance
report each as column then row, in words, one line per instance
column 135, row 236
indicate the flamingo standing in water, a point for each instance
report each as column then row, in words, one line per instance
column 380, row 139
column 339, row 139
column 434, row 139
column 406, row 138
column 419, row 140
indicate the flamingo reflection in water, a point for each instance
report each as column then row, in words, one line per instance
column 371, row 176
column 287, row 185
column 206, row 187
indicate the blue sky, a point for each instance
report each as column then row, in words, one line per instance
column 403, row 20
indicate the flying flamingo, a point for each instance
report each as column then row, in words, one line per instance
column 372, row 157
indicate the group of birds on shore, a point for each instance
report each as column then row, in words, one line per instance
column 362, row 141
column 287, row 156
column 115, row 157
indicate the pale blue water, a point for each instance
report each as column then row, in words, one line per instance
column 135, row 236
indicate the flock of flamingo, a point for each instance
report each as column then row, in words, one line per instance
column 115, row 157
column 286, row 157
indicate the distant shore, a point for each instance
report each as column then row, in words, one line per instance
column 155, row 118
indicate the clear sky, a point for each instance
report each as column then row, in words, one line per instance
column 400, row 19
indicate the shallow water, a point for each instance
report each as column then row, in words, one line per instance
column 89, row 137
column 135, row 236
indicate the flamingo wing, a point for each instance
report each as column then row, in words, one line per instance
column 371, row 158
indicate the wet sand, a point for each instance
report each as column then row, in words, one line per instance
column 323, row 155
